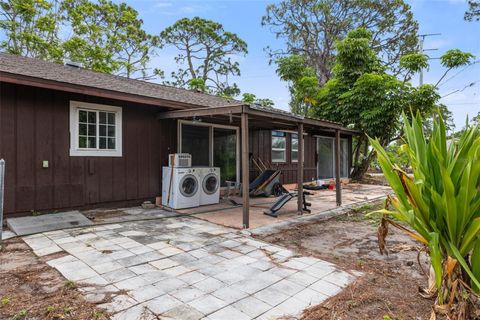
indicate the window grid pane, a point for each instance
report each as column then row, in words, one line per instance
column 294, row 155
column 96, row 130
column 279, row 146
column 278, row 156
column 87, row 129
column 294, row 147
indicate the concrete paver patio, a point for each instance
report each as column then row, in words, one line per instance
column 187, row 268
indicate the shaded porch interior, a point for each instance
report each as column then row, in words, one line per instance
column 248, row 117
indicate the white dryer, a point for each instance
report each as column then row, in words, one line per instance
column 183, row 191
column 210, row 185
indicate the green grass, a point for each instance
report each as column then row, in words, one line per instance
column 4, row 301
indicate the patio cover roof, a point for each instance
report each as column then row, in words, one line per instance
column 260, row 116
column 250, row 116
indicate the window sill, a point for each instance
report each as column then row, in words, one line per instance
column 95, row 153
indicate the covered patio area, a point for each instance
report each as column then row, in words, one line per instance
column 252, row 117
column 323, row 201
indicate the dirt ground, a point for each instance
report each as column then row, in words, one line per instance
column 31, row 289
column 390, row 285
column 374, row 178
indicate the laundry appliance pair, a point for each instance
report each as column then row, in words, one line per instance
column 185, row 186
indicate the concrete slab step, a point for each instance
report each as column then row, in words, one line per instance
column 48, row 222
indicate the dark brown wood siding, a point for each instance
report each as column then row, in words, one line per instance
column 261, row 144
column 261, row 147
column 34, row 126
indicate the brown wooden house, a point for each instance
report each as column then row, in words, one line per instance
column 74, row 138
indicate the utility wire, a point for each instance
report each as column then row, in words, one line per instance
column 456, row 74
column 471, row 84
column 464, row 103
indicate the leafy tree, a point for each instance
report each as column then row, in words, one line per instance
column 137, row 49
column 452, row 59
column 108, row 37
column 447, row 117
column 475, row 121
column 102, row 35
column 197, row 84
column 265, row 102
column 397, row 155
column 473, row 13
column 206, row 51
column 250, row 98
column 413, row 63
column 362, row 95
column 303, row 83
column 30, row 28
column 312, row 27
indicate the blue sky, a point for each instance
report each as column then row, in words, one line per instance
column 258, row 77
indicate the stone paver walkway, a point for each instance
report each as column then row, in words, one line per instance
column 186, row 268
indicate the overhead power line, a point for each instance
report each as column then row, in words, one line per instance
column 471, row 84
column 460, row 71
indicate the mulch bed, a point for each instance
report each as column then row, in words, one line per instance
column 31, row 289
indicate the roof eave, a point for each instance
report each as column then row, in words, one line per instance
column 92, row 91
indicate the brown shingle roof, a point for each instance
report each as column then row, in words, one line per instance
column 39, row 69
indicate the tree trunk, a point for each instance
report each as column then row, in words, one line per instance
column 362, row 158
column 362, row 167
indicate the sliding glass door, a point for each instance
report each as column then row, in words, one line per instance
column 225, row 153
column 326, row 158
column 211, row 146
column 196, row 141
column 325, row 164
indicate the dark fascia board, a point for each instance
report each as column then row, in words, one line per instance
column 330, row 125
column 255, row 114
column 91, row 91
column 273, row 115
column 201, row 112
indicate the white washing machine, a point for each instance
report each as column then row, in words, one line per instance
column 184, row 188
column 209, row 185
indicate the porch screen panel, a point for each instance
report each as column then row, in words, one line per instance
column 196, row 141
column 325, row 163
column 225, row 153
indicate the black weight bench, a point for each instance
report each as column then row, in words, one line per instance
column 273, row 211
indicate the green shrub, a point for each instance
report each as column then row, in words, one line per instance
column 441, row 203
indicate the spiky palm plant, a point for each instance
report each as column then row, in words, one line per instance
column 440, row 203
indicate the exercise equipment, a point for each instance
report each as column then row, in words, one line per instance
column 283, row 200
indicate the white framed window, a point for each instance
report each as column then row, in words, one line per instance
column 294, row 148
column 95, row 130
column 279, row 146
column 294, row 153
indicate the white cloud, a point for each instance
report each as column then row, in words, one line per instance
column 187, row 8
column 163, row 4
column 456, row 2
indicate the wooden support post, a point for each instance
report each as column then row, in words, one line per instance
column 245, row 172
column 300, row 169
column 338, row 183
